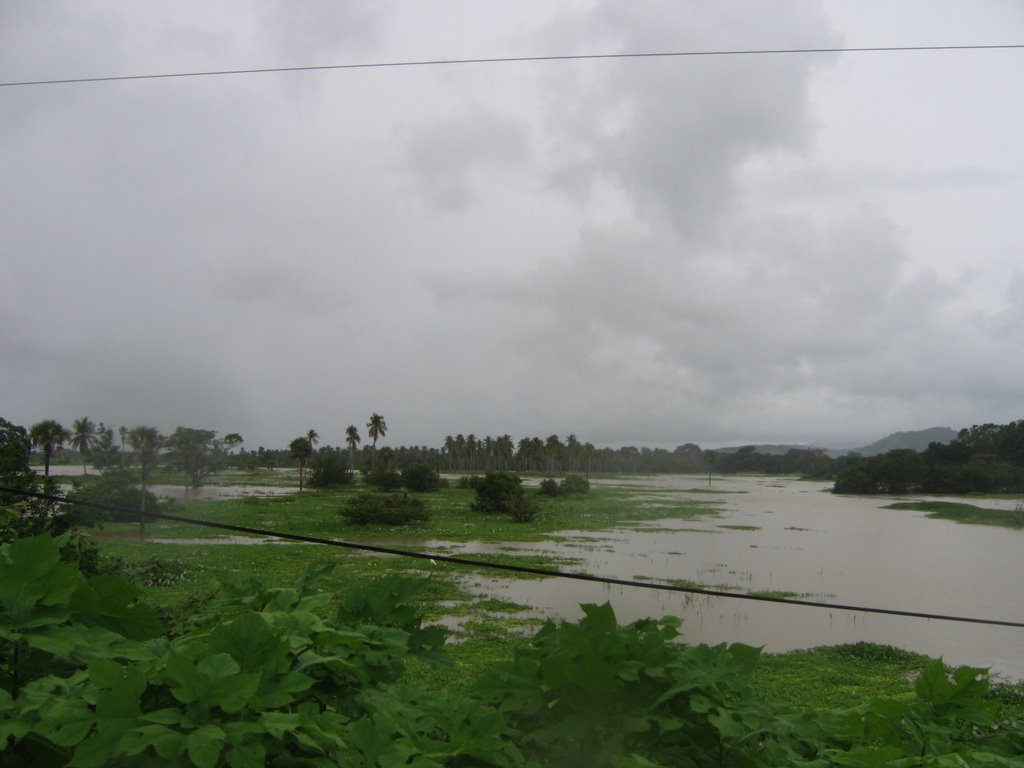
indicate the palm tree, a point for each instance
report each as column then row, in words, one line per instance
column 123, row 432
column 572, row 448
column 488, row 453
column 460, row 450
column 352, row 438
column 301, row 449
column 376, row 428
column 146, row 442
column 48, row 436
column 447, row 448
column 83, row 439
column 313, row 438
column 505, row 448
column 553, row 449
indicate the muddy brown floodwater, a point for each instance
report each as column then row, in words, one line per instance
column 790, row 536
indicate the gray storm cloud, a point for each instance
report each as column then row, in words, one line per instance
column 650, row 251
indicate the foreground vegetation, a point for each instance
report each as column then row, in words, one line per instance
column 275, row 676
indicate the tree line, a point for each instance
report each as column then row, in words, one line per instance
column 986, row 458
column 199, row 452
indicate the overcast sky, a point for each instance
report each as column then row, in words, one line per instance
column 801, row 248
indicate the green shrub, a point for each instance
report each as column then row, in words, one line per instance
column 329, row 469
column 384, row 479
column 384, row 509
column 550, row 487
column 572, row 484
column 495, row 491
column 469, row 481
column 575, row 484
column 116, row 487
column 521, row 508
column 421, row 478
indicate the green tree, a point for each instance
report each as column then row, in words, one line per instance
column 313, row 438
column 104, row 452
column 15, row 472
column 83, row 438
column 352, row 438
column 300, row 450
column 146, row 442
column 192, row 451
column 48, row 436
column 376, row 428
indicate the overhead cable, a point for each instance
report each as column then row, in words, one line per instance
column 515, row 60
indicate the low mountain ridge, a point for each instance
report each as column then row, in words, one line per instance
column 915, row 440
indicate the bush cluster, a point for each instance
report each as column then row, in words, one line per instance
column 502, row 493
column 494, row 491
column 571, row 484
column 384, row 478
column 384, row 509
column 329, row 469
column 469, row 481
column 116, row 487
column 421, row 479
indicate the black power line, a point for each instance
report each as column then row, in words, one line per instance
column 519, row 60
column 134, row 514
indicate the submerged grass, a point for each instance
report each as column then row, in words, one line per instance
column 838, row 676
column 968, row 514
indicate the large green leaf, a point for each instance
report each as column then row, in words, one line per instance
column 252, row 644
column 204, row 745
column 32, row 579
column 111, row 602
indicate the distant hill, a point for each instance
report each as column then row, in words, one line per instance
column 767, row 449
column 916, row 441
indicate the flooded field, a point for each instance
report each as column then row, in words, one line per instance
column 794, row 538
